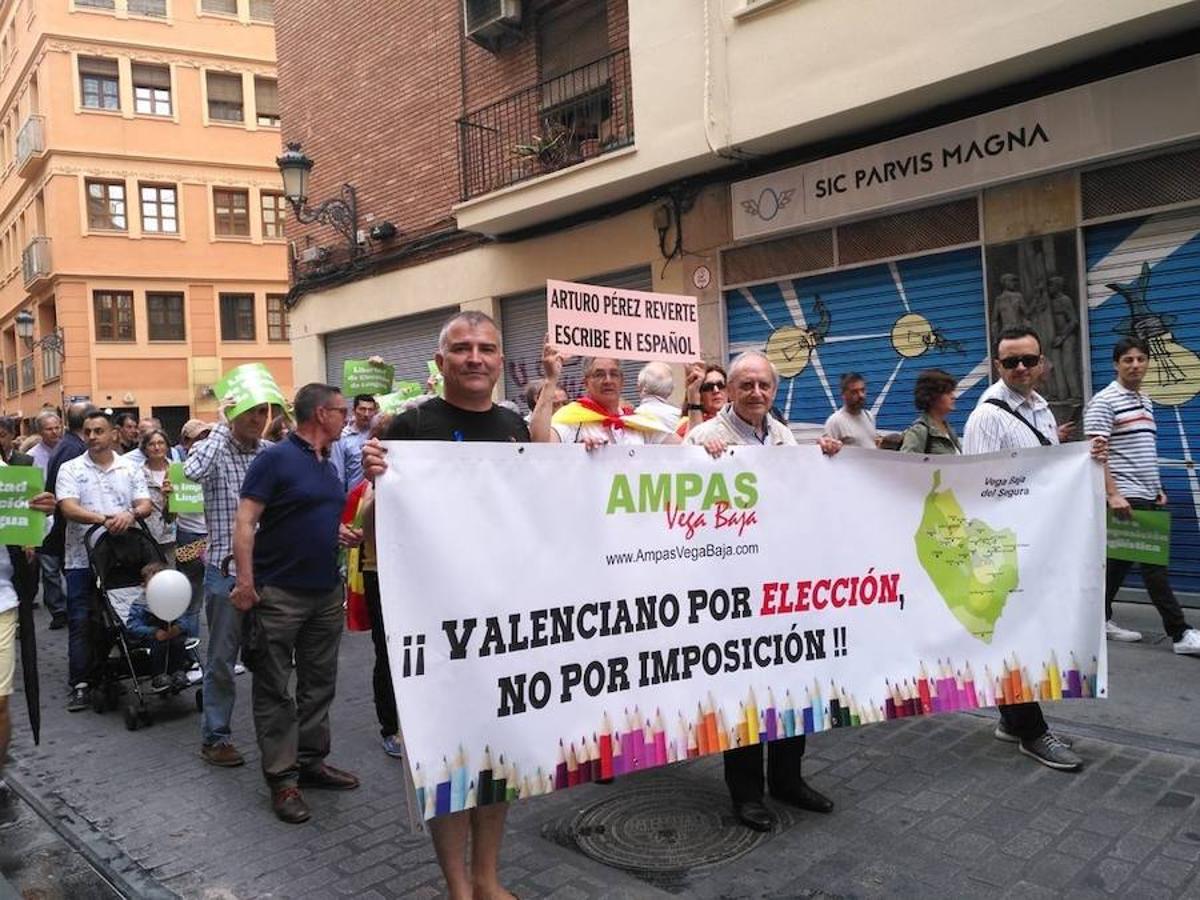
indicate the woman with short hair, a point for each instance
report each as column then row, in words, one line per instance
column 932, row 432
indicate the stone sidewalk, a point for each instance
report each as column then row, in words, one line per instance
column 925, row 808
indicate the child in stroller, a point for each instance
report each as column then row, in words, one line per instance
column 168, row 642
column 147, row 649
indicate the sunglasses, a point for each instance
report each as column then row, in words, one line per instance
column 710, row 386
column 1028, row 361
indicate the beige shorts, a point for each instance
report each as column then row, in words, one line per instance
column 8, row 650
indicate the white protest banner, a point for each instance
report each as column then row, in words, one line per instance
column 555, row 616
column 590, row 320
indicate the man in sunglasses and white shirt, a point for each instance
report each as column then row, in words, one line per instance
column 1012, row 415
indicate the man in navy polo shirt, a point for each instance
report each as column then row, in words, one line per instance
column 289, row 585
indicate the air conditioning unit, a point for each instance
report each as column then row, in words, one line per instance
column 492, row 24
column 313, row 254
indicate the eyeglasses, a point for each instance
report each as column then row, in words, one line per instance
column 340, row 410
column 709, row 386
column 614, row 374
column 1028, row 361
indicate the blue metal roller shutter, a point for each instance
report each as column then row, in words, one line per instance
column 887, row 321
column 1156, row 261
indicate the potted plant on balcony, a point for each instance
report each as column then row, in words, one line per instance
column 548, row 152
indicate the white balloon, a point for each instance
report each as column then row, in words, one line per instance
column 168, row 594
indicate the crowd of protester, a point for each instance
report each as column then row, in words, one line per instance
column 288, row 523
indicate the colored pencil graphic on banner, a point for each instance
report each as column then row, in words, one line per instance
column 643, row 741
column 485, row 779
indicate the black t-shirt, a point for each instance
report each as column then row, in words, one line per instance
column 437, row 420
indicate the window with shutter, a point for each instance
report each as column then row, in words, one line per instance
column 266, row 101
column 99, row 83
column 576, row 75
column 155, row 8
column 262, row 10
column 151, row 89
column 225, row 97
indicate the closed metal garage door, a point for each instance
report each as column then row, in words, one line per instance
column 887, row 321
column 523, row 323
column 407, row 343
column 1144, row 279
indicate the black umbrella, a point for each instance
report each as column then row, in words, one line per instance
column 29, row 668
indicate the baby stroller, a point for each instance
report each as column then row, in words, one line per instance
column 116, row 561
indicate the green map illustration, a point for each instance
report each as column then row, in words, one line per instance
column 973, row 566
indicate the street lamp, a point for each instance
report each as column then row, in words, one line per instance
column 55, row 341
column 339, row 212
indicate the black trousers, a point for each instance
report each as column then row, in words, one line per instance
column 1157, row 586
column 1025, row 720
column 744, row 767
column 381, row 675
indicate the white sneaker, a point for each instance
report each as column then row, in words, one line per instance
column 1115, row 632
column 1189, row 644
column 239, row 669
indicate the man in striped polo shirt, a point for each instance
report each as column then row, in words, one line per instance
column 1012, row 415
column 1125, row 416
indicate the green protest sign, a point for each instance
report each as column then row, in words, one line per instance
column 250, row 385
column 436, row 374
column 1144, row 538
column 361, row 376
column 401, row 392
column 186, row 495
column 20, row 525
column 408, row 389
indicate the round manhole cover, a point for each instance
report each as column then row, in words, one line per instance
column 661, row 830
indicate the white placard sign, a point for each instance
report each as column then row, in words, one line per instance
column 555, row 616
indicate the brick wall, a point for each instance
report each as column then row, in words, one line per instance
column 372, row 90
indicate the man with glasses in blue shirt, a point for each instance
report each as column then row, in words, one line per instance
column 289, row 586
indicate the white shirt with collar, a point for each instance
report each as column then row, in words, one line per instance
column 41, row 455
column 989, row 428
column 731, row 428
column 109, row 491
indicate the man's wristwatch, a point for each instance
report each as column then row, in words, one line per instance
column 695, row 407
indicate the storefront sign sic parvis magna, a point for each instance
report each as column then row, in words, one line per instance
column 1141, row 109
column 560, row 616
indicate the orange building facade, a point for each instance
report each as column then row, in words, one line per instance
column 141, row 214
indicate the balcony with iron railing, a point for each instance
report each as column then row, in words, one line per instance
column 31, row 144
column 35, row 260
column 559, row 123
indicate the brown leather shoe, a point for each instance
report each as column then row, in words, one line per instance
column 224, row 755
column 289, row 805
column 328, row 778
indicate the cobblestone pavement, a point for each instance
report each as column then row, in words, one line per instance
column 925, row 808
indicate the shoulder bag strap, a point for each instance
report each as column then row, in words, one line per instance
column 1042, row 439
